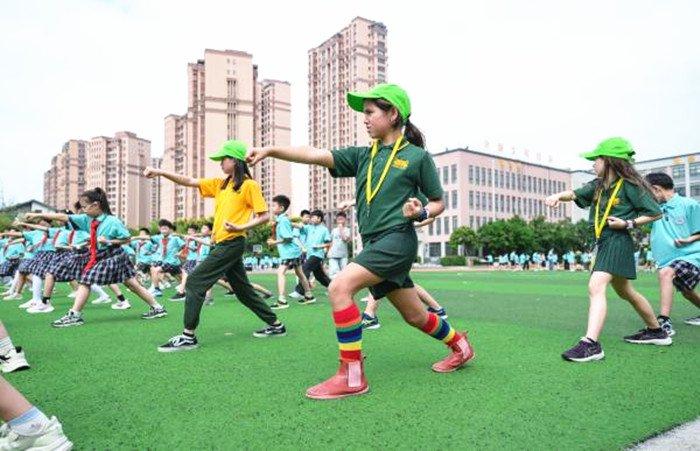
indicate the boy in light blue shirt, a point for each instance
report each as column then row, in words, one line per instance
column 166, row 259
column 318, row 240
column 675, row 244
column 290, row 253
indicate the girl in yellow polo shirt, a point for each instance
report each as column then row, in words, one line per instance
column 239, row 206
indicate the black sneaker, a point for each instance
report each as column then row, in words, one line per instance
column 279, row 305
column 650, row 337
column 667, row 326
column 68, row 320
column 369, row 322
column 439, row 312
column 310, row 299
column 178, row 297
column 230, row 294
column 179, row 343
column 584, row 351
column 155, row 312
column 271, row 331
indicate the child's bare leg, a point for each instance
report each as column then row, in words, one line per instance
column 598, row 305
column 623, row 287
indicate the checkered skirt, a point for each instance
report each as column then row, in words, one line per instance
column 687, row 275
column 189, row 266
column 41, row 262
column 113, row 266
column 68, row 265
column 8, row 267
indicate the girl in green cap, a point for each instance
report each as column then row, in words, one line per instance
column 620, row 200
column 390, row 175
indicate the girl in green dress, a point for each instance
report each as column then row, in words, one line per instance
column 619, row 200
column 390, row 176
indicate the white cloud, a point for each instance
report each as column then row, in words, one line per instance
column 553, row 77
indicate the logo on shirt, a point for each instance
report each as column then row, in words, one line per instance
column 399, row 163
column 679, row 220
column 616, row 202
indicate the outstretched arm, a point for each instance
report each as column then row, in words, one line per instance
column 184, row 180
column 304, row 154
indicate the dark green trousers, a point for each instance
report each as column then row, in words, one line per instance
column 224, row 260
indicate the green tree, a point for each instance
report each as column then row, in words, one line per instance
column 465, row 237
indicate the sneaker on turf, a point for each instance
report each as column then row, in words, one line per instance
column 370, row 322
column 209, row 301
column 178, row 297
column 271, row 331
column 648, row 336
column 584, row 351
column 307, row 300
column 667, row 326
column 279, row 305
column 13, row 297
column 694, row 321
column 50, row 438
column 69, row 319
column 30, row 303
column 121, row 305
column 40, row 307
column 102, row 300
column 295, row 295
column 439, row 312
column 155, row 312
column 179, row 343
column 13, row 361
column 230, row 294
column 157, row 293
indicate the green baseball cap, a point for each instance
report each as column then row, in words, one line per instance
column 232, row 149
column 612, row 147
column 393, row 94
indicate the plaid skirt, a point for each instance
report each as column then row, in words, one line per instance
column 113, row 266
column 41, row 262
column 189, row 266
column 68, row 265
column 687, row 275
column 25, row 265
column 8, row 267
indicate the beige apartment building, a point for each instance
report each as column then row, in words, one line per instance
column 65, row 179
column 481, row 188
column 155, row 190
column 354, row 59
column 225, row 101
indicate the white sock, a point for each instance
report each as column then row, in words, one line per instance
column 37, row 284
column 6, row 345
column 99, row 290
column 31, row 423
column 15, row 283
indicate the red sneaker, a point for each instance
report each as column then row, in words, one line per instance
column 348, row 381
column 462, row 352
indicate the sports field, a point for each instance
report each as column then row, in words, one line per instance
column 111, row 389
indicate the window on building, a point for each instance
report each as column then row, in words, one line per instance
column 455, row 223
column 438, row 227
column 434, row 249
column 445, row 174
column 454, row 199
column 471, row 222
column 678, row 171
column 471, row 174
column 478, row 200
column 490, row 201
column 694, row 169
column 488, row 177
column 477, row 177
column 680, row 190
column 446, row 225
column 695, row 190
column 471, row 199
column 430, row 229
column 453, row 171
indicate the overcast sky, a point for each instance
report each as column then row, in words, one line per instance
column 553, row 77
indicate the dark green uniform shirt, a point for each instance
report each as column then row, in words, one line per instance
column 412, row 172
column 632, row 201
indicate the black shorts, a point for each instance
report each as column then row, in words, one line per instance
column 291, row 263
column 170, row 269
column 686, row 275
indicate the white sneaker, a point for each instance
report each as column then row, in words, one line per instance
column 72, row 294
column 13, row 361
column 295, row 295
column 40, row 307
column 13, row 297
column 51, row 438
column 165, row 285
column 121, row 305
column 28, row 304
column 102, row 300
column 695, row 321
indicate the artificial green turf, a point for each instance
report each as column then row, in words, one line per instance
column 113, row 390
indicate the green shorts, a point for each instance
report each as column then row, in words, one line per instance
column 390, row 255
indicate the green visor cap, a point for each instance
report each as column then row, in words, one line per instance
column 232, row 149
column 611, row 147
column 393, row 94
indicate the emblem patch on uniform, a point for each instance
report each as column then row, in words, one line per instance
column 680, row 220
column 399, row 163
column 616, row 202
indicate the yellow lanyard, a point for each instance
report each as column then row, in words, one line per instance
column 369, row 192
column 598, row 225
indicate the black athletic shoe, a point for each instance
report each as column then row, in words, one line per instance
column 178, row 297
column 155, row 313
column 271, row 331
column 650, row 337
column 667, row 326
column 229, row 294
column 370, row 322
column 584, row 351
column 179, row 343
column 307, row 300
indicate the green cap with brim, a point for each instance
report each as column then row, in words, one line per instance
column 231, row 149
column 393, row 94
column 612, row 147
